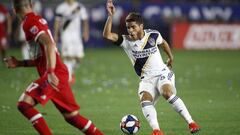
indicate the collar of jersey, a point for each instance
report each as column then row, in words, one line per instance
column 28, row 14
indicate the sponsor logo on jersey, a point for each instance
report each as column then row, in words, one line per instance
column 151, row 41
column 143, row 56
column 34, row 30
column 144, row 53
column 43, row 21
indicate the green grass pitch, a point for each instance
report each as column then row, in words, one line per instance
column 106, row 88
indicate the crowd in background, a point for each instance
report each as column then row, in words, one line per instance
column 169, row 13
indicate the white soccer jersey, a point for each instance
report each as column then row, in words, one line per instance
column 71, row 16
column 144, row 54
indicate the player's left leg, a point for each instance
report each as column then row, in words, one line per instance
column 67, row 105
column 179, row 106
column 166, row 87
column 176, row 102
column 82, row 123
column 26, row 107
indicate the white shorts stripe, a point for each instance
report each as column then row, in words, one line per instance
column 87, row 126
column 35, row 117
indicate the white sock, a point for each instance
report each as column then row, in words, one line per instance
column 150, row 114
column 180, row 107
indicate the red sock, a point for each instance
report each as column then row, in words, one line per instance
column 34, row 117
column 85, row 125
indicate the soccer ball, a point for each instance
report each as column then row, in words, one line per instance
column 129, row 124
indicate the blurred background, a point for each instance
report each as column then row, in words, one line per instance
column 205, row 37
column 185, row 24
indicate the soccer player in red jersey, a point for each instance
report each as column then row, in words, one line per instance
column 5, row 29
column 53, row 82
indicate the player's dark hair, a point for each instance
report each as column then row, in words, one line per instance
column 134, row 17
column 19, row 4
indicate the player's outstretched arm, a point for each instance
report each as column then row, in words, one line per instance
column 50, row 48
column 107, row 32
column 168, row 51
column 12, row 62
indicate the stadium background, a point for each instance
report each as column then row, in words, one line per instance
column 174, row 19
column 208, row 75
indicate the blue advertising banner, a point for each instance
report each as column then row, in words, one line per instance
column 194, row 12
column 161, row 16
column 156, row 15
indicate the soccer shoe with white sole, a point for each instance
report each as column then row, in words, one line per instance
column 157, row 132
column 193, row 127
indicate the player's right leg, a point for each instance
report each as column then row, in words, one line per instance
column 82, row 123
column 26, row 106
column 148, row 95
column 149, row 112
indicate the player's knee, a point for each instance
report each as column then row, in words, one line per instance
column 70, row 114
column 145, row 96
column 166, row 91
column 146, row 103
column 23, row 106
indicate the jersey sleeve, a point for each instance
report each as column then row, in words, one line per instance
column 119, row 41
column 124, row 41
column 58, row 13
column 83, row 13
column 34, row 28
column 159, row 39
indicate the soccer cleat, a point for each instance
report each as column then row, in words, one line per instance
column 157, row 132
column 194, row 128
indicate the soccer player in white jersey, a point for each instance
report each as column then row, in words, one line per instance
column 69, row 16
column 157, row 79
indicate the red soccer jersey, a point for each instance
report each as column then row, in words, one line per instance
column 33, row 26
column 3, row 19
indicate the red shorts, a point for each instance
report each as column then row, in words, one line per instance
column 63, row 99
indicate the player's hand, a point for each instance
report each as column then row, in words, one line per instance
column 53, row 80
column 169, row 63
column 110, row 8
column 11, row 62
